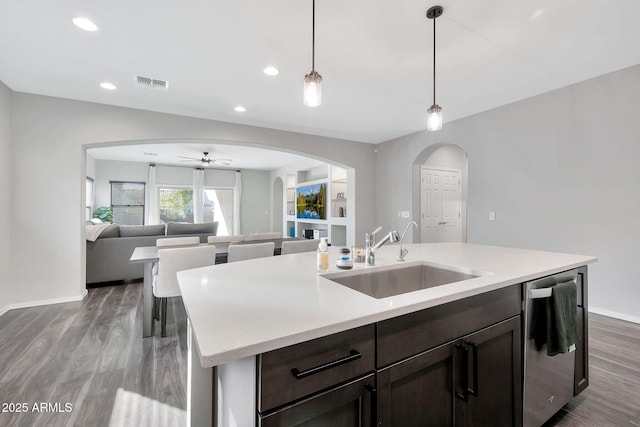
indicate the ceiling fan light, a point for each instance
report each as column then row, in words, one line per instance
column 312, row 89
column 434, row 117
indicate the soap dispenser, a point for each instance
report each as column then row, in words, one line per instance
column 323, row 256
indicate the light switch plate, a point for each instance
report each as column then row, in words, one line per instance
column 492, row 216
column 405, row 214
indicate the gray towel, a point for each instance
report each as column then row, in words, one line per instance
column 562, row 318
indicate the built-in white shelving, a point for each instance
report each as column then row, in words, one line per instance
column 338, row 225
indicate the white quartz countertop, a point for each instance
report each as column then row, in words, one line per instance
column 249, row 307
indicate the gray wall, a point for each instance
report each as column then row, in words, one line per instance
column 5, row 193
column 48, row 229
column 111, row 170
column 561, row 172
column 255, row 206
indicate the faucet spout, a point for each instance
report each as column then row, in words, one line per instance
column 393, row 236
column 403, row 252
column 372, row 247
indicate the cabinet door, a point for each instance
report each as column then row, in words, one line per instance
column 493, row 395
column 419, row 391
column 348, row 405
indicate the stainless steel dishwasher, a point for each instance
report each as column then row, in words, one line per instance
column 548, row 380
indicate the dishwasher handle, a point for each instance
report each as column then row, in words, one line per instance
column 539, row 293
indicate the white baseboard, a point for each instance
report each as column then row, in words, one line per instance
column 615, row 314
column 44, row 302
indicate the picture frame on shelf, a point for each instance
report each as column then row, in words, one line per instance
column 340, row 196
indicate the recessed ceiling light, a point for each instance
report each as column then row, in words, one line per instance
column 240, row 109
column 271, row 71
column 85, row 23
column 108, row 86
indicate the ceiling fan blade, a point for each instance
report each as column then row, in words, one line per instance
column 189, row 158
column 225, row 162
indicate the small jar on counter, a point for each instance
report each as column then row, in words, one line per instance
column 357, row 254
column 344, row 262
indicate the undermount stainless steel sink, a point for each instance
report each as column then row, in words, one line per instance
column 388, row 281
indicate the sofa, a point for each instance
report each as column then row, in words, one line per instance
column 108, row 256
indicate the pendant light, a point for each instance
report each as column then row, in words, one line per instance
column 434, row 113
column 313, row 80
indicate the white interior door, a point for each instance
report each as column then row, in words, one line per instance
column 441, row 206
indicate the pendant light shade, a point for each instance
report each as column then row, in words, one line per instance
column 312, row 89
column 434, row 113
column 313, row 80
column 434, row 117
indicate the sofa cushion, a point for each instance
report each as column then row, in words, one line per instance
column 113, row 230
column 179, row 228
column 141, row 230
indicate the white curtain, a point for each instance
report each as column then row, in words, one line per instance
column 236, row 204
column 198, row 195
column 152, row 205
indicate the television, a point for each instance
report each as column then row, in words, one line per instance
column 311, row 201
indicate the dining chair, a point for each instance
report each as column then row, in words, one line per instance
column 178, row 241
column 263, row 236
column 297, row 246
column 225, row 239
column 250, row 251
column 172, row 260
column 165, row 242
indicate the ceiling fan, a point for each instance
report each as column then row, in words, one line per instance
column 205, row 160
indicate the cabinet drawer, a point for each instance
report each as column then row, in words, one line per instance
column 293, row 372
column 407, row 335
column 347, row 405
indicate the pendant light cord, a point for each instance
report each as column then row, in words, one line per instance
column 434, row 60
column 313, row 38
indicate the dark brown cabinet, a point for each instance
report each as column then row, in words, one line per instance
column 346, row 405
column 472, row 381
column 291, row 373
column 489, row 392
column 456, row 364
column 329, row 381
column 418, row 391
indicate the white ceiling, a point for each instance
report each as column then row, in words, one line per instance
column 242, row 157
column 374, row 56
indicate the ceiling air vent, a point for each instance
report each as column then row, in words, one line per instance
column 150, row 83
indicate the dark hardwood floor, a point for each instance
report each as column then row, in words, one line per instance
column 91, row 355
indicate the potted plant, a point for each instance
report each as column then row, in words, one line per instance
column 104, row 213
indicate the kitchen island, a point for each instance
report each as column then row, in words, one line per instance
column 241, row 310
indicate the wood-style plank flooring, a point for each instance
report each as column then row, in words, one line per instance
column 613, row 396
column 91, row 355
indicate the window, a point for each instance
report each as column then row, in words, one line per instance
column 89, row 199
column 218, row 206
column 127, row 202
column 176, row 204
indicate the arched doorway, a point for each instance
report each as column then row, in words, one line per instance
column 439, row 190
